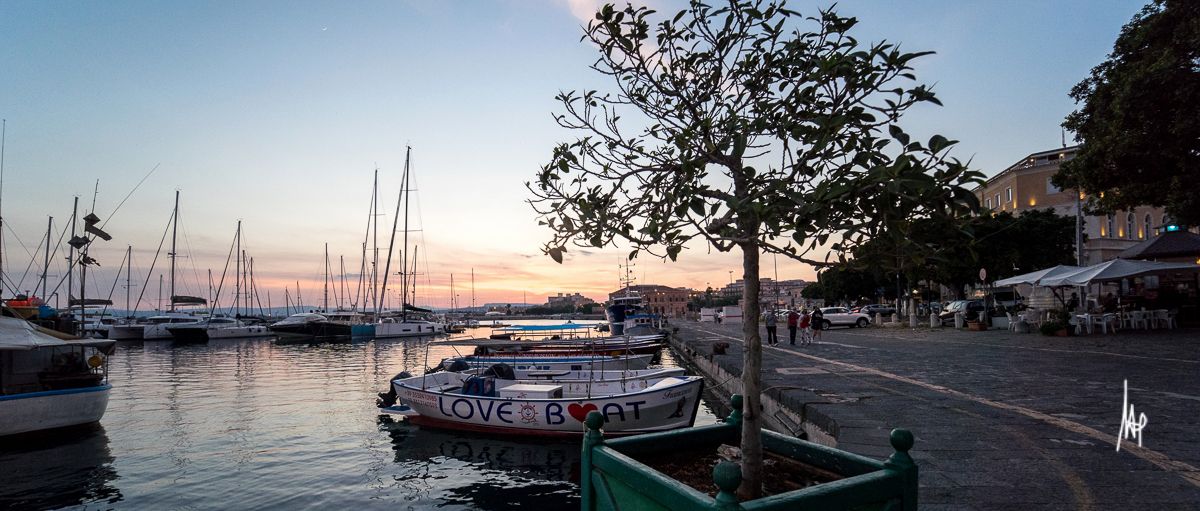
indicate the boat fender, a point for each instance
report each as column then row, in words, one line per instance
column 501, row 371
column 388, row 398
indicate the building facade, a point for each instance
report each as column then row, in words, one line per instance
column 574, row 300
column 667, row 301
column 1027, row 185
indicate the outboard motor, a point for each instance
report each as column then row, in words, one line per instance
column 388, row 398
column 501, row 371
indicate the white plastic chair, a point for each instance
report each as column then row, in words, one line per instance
column 1012, row 321
column 1163, row 319
column 1098, row 319
column 1083, row 322
column 1136, row 319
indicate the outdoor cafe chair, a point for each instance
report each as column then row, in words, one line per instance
column 1034, row 318
column 1083, row 322
column 1102, row 320
column 1163, row 319
column 1135, row 319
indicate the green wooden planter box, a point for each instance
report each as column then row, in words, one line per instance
column 611, row 479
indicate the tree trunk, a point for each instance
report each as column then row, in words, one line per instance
column 752, row 456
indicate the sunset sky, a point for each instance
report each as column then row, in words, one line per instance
column 277, row 114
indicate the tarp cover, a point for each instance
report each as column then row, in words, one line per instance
column 188, row 300
column 18, row 334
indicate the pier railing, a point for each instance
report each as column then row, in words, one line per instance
column 612, row 479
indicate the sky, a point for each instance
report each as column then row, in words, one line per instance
column 278, row 114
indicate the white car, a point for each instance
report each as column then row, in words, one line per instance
column 841, row 316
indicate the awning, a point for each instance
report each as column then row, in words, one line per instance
column 1116, row 269
column 18, row 334
column 1034, row 276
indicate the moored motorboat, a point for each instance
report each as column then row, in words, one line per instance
column 310, row 325
column 48, row 382
column 493, row 405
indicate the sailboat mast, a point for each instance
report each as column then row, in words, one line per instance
column 375, row 241
column 325, row 301
column 404, row 254
column 71, row 253
column 414, row 276
column 452, row 292
column 160, row 282
column 174, row 233
column 128, row 278
column 298, row 302
column 3, row 143
column 342, row 292
column 387, row 265
column 237, row 272
column 46, row 261
column 472, row 289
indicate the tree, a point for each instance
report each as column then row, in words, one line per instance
column 733, row 126
column 1140, row 120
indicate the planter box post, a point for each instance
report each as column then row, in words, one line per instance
column 727, row 475
column 592, row 439
column 901, row 462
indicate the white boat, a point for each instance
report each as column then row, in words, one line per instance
column 534, row 362
column 156, row 327
column 47, row 382
column 486, row 404
column 393, row 327
column 127, row 331
column 216, row 328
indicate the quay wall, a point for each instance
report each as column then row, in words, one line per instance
column 780, row 414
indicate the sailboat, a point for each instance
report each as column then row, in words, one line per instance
column 408, row 322
column 156, row 326
column 222, row 327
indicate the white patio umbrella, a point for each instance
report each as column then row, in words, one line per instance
column 1034, row 276
column 1115, row 269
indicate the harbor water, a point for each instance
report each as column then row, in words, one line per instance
column 253, row 424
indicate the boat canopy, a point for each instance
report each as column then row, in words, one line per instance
column 414, row 308
column 76, row 302
column 188, row 300
column 18, row 334
column 546, row 328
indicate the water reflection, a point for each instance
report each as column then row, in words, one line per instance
column 505, row 473
column 64, row 468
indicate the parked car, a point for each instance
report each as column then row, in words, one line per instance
column 881, row 308
column 841, row 316
column 969, row 308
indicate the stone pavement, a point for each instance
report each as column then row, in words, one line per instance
column 1001, row 419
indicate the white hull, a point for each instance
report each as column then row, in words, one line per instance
column 668, row 403
column 408, row 329
column 38, row 411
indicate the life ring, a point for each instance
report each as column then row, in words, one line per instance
column 95, row 361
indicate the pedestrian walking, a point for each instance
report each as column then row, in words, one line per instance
column 772, row 338
column 805, row 324
column 818, row 324
column 793, row 324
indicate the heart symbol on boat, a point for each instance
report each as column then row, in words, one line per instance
column 579, row 412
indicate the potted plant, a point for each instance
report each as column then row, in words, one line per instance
column 625, row 473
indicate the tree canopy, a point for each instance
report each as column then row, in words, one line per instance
column 744, row 126
column 1139, row 124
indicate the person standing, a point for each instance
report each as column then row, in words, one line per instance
column 793, row 323
column 818, row 324
column 805, row 333
column 772, row 338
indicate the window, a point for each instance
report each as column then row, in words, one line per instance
column 1146, row 228
column 988, row 203
column 1008, row 196
column 1129, row 221
column 997, row 201
column 1109, row 224
column 1050, row 188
